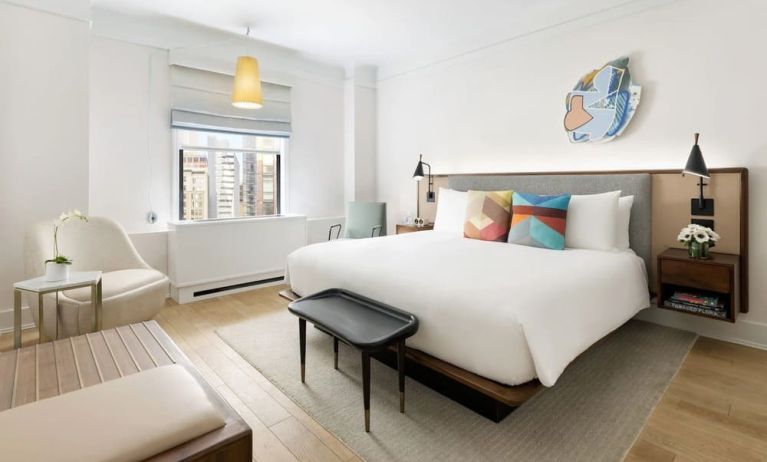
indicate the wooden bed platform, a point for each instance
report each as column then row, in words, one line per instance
column 46, row 370
column 487, row 397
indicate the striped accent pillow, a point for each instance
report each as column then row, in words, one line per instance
column 488, row 215
column 539, row 221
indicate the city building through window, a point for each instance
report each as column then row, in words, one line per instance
column 228, row 175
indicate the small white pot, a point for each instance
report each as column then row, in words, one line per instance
column 56, row 271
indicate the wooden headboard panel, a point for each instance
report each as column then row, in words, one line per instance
column 671, row 194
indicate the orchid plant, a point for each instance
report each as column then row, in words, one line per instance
column 698, row 239
column 63, row 218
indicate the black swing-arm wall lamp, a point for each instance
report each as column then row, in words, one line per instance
column 696, row 165
column 418, row 176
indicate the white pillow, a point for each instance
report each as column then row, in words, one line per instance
column 451, row 211
column 591, row 221
column 622, row 223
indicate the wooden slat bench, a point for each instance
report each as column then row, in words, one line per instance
column 50, row 369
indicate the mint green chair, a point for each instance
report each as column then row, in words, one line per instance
column 363, row 219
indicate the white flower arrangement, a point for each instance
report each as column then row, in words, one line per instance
column 65, row 216
column 697, row 234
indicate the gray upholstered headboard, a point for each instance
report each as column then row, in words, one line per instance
column 638, row 185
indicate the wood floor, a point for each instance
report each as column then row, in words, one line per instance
column 715, row 409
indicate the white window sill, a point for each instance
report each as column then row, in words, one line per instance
column 224, row 221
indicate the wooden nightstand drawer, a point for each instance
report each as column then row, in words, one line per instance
column 708, row 277
column 402, row 229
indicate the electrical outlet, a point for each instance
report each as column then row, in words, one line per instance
column 706, row 210
column 703, row 222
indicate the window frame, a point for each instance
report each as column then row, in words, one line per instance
column 280, row 165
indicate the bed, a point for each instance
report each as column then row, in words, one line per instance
column 508, row 313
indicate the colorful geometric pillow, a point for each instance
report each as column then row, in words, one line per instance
column 539, row 221
column 488, row 215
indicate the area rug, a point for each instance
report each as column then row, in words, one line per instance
column 593, row 413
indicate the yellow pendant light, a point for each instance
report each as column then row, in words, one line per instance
column 246, row 93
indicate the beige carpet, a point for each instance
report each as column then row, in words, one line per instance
column 594, row 413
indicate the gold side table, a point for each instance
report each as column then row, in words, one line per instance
column 41, row 287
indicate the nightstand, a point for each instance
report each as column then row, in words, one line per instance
column 402, row 229
column 699, row 285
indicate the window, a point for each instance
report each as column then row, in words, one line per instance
column 228, row 175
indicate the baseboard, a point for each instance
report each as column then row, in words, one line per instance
column 6, row 319
column 219, row 288
column 742, row 332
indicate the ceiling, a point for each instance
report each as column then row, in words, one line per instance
column 391, row 34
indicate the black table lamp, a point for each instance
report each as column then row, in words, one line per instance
column 697, row 166
column 418, row 176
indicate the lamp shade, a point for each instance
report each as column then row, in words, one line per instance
column 418, row 173
column 695, row 163
column 246, row 93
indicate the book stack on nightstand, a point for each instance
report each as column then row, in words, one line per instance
column 711, row 305
column 707, row 288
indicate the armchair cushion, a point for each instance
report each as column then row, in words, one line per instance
column 116, row 283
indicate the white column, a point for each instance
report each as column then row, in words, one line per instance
column 360, row 134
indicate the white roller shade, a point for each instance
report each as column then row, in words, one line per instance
column 202, row 99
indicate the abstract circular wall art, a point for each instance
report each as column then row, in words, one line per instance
column 602, row 103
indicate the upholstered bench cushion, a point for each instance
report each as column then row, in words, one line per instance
column 119, row 282
column 128, row 419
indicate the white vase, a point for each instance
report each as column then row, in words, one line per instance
column 56, row 271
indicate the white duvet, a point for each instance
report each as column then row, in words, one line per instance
column 507, row 312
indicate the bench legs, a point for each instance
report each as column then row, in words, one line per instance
column 302, row 343
column 366, row 387
column 335, row 353
column 365, row 370
column 401, row 371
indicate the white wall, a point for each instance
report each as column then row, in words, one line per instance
column 131, row 155
column 360, row 134
column 501, row 109
column 315, row 178
column 153, row 248
column 365, row 143
column 43, row 124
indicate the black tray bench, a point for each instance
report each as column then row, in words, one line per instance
column 360, row 322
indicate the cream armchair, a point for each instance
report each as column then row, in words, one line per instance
column 131, row 290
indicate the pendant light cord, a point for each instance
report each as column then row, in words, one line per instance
column 149, row 130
